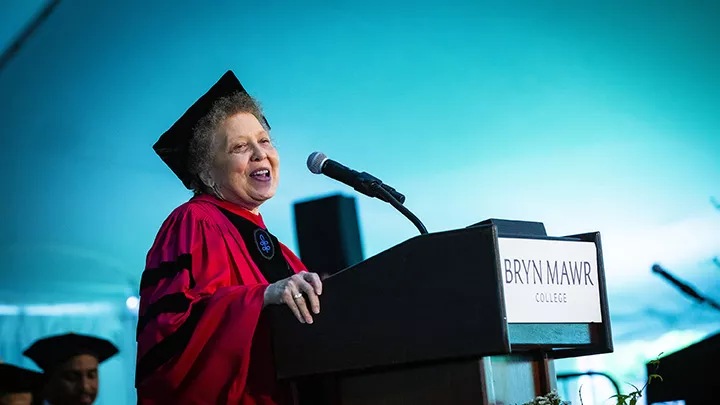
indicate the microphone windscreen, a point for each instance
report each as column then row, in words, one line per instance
column 315, row 162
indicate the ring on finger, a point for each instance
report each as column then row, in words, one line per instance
column 297, row 296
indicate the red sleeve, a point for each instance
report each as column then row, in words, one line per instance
column 196, row 322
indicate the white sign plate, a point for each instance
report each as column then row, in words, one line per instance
column 550, row 281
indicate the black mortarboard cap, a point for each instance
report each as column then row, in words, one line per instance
column 51, row 351
column 173, row 145
column 15, row 380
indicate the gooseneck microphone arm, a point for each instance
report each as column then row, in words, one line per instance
column 364, row 183
column 403, row 210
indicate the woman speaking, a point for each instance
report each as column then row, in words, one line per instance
column 214, row 266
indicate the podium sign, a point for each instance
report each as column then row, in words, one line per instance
column 550, row 281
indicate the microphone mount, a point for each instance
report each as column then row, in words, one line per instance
column 367, row 182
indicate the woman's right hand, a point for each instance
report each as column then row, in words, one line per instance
column 294, row 292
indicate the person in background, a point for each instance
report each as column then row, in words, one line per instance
column 70, row 363
column 214, row 267
column 19, row 386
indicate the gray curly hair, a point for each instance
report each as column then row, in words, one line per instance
column 204, row 141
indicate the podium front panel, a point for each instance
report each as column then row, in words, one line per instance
column 433, row 297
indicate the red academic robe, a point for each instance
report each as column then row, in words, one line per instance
column 201, row 337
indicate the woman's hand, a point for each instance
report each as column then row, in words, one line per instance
column 294, row 292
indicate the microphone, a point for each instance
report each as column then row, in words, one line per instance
column 684, row 287
column 363, row 182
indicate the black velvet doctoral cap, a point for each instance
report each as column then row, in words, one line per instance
column 173, row 145
column 16, row 380
column 51, row 351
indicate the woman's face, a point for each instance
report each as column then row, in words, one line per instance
column 246, row 168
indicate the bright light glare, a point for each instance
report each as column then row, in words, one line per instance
column 132, row 303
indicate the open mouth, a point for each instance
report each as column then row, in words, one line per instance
column 261, row 175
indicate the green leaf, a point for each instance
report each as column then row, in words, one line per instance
column 621, row 398
column 654, row 376
column 633, row 401
column 636, row 388
column 656, row 360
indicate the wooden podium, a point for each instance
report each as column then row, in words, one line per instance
column 445, row 318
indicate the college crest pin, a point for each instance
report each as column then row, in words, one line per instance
column 264, row 243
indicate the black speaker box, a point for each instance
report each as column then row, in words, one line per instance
column 328, row 233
